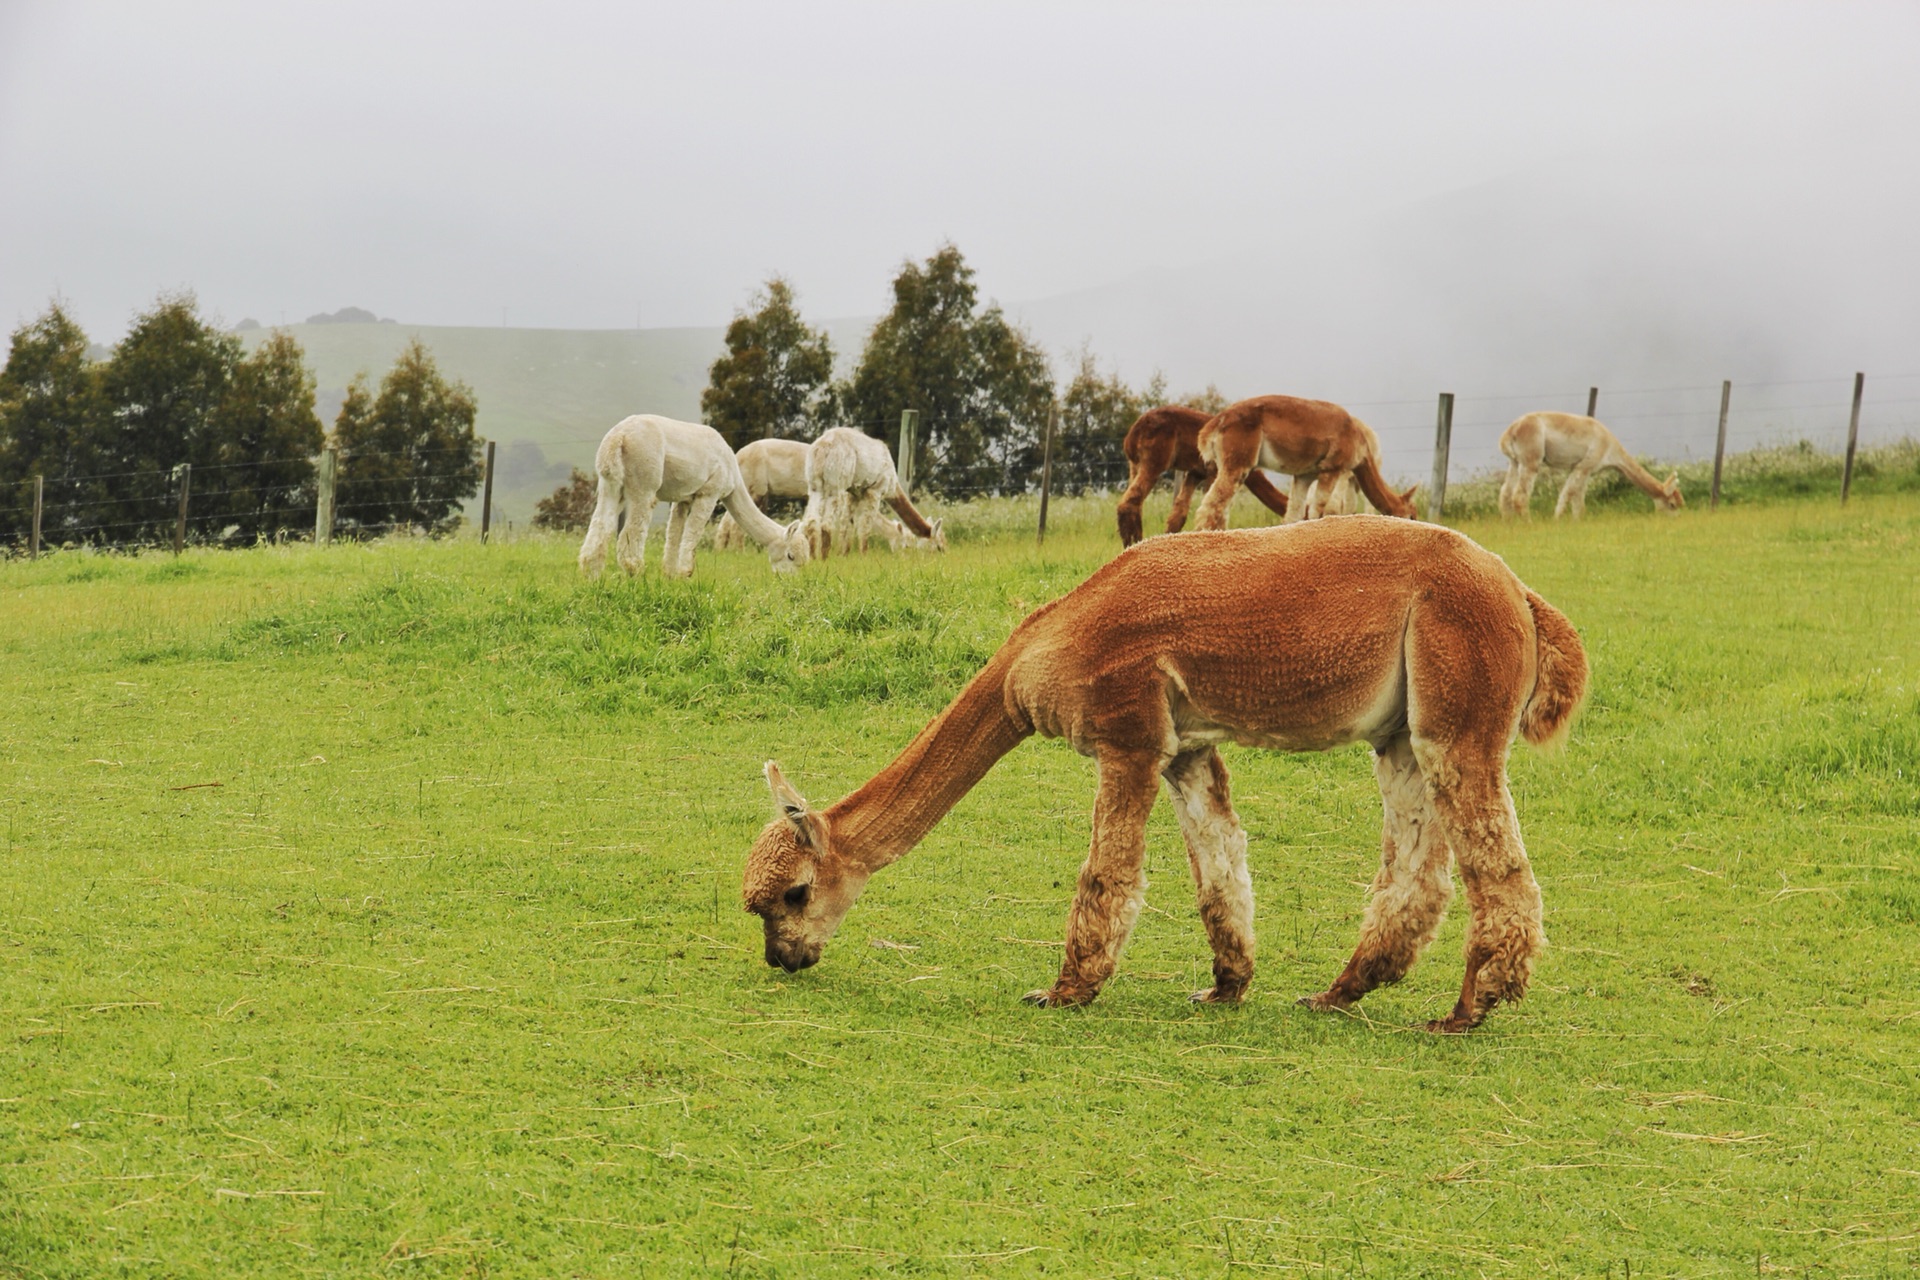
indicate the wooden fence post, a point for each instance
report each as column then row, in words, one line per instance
column 39, row 491
column 1720, row 443
column 1853, row 437
column 323, row 509
column 909, row 428
column 486, row 496
column 1593, row 400
column 1046, row 471
column 180, row 525
column 1442, row 445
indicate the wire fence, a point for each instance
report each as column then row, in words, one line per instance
column 161, row 505
column 1675, row 424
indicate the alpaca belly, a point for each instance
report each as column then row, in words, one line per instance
column 1289, row 464
column 1333, row 718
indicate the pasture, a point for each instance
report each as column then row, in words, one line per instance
column 376, row 911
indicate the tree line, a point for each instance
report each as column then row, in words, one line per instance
column 983, row 388
column 107, row 437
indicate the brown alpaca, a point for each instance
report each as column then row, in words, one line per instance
column 1412, row 638
column 1581, row 445
column 1315, row 442
column 1165, row 439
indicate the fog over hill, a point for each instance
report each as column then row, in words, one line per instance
column 1648, row 278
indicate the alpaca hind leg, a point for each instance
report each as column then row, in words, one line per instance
column 631, row 549
column 676, row 530
column 1409, row 895
column 1320, row 501
column 1529, row 477
column 865, row 516
column 601, row 530
column 1232, row 453
column 1509, row 491
column 1467, row 784
column 1112, row 886
column 1197, row 782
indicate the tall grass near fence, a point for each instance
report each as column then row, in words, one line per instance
column 373, row 911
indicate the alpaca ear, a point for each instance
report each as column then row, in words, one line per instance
column 809, row 827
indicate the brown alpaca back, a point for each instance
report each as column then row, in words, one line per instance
column 1303, row 438
column 1169, row 433
column 1167, row 439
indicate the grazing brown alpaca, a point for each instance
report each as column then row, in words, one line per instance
column 1162, row 440
column 1315, row 442
column 1581, row 445
column 1411, row 638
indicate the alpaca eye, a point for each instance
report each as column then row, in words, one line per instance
column 797, row 896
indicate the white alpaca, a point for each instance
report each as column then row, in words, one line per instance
column 849, row 474
column 771, row 469
column 647, row 459
column 1583, row 446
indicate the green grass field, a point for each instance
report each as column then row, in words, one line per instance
column 376, row 911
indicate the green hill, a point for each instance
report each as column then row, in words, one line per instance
column 546, row 395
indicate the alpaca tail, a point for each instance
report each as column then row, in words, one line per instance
column 1560, row 679
column 909, row 516
column 1374, row 485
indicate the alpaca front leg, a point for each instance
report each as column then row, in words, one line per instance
column 1182, row 500
column 1217, row 852
column 1127, row 513
column 1112, row 887
column 1468, row 787
column 1409, row 895
column 693, row 515
column 1573, row 494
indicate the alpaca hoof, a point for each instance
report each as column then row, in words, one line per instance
column 1052, row 998
column 1219, row 995
column 1452, row 1026
column 1325, row 1002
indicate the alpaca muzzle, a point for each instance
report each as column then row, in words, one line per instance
column 791, row 958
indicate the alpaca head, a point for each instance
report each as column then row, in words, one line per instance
column 795, row 883
column 1406, row 499
column 1673, row 500
column 790, row 550
column 938, row 538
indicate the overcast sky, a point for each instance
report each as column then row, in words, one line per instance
column 605, row 166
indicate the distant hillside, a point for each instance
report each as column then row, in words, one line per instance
column 546, row 395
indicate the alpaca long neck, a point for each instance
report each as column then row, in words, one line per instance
column 1374, row 485
column 1642, row 478
column 909, row 514
column 753, row 522
column 900, row 804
